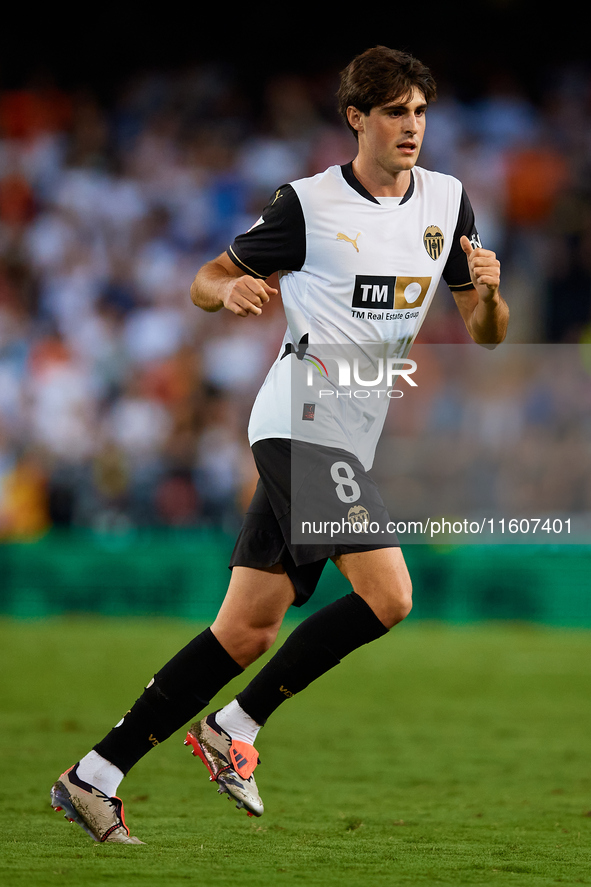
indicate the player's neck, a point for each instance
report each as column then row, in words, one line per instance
column 380, row 183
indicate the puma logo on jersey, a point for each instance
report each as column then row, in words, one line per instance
column 349, row 240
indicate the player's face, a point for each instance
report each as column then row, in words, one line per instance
column 391, row 135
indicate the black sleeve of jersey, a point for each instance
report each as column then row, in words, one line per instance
column 456, row 273
column 277, row 242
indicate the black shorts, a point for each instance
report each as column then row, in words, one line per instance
column 311, row 503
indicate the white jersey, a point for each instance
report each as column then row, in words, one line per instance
column 357, row 276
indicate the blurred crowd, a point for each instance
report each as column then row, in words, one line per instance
column 124, row 406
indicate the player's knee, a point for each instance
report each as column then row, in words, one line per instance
column 391, row 602
column 397, row 603
column 262, row 637
column 266, row 639
column 405, row 600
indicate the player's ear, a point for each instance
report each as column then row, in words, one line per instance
column 355, row 118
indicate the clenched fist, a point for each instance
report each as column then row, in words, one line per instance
column 247, row 295
column 485, row 270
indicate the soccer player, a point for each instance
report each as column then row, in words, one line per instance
column 360, row 250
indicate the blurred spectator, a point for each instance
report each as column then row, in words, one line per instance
column 176, row 502
column 24, row 504
column 222, row 460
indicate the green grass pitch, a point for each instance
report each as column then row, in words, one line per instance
column 437, row 755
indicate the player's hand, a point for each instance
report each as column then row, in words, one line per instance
column 247, row 295
column 485, row 270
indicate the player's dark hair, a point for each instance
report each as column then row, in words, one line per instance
column 381, row 75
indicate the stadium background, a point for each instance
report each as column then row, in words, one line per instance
column 133, row 150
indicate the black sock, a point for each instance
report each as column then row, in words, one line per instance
column 181, row 689
column 315, row 646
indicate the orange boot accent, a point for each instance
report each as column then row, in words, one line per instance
column 245, row 757
column 192, row 740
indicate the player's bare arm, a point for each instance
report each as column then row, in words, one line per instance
column 483, row 309
column 221, row 284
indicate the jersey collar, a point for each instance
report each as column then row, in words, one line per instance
column 353, row 181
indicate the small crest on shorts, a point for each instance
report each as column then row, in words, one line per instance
column 358, row 517
column 433, row 240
